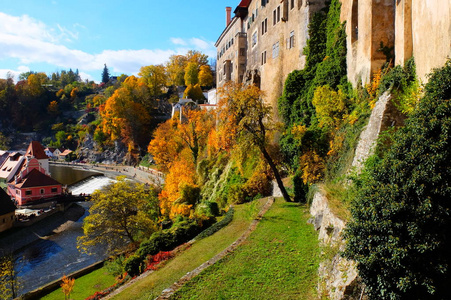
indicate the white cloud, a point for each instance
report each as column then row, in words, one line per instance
column 31, row 41
column 15, row 73
column 178, row 41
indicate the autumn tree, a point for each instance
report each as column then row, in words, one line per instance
column 194, row 131
column 253, row 121
column 163, row 146
column 205, row 76
column 9, row 279
column 122, row 213
column 124, row 115
column 67, row 286
column 175, row 69
column 155, row 78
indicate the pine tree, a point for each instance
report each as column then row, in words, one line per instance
column 105, row 75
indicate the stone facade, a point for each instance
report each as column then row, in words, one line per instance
column 264, row 42
column 413, row 28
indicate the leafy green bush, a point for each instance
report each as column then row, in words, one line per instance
column 399, row 234
column 217, row 226
column 133, row 265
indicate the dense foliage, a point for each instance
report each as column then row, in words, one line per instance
column 399, row 234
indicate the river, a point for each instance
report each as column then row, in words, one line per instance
column 50, row 258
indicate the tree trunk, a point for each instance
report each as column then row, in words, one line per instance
column 276, row 173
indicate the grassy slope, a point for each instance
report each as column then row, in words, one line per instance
column 201, row 251
column 279, row 261
column 86, row 286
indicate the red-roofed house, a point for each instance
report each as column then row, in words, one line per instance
column 36, row 150
column 32, row 183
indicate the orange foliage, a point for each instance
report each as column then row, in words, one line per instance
column 163, row 146
column 181, row 171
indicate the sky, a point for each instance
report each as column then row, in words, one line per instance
column 54, row 35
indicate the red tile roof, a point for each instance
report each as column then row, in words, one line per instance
column 35, row 149
column 244, row 3
column 36, row 179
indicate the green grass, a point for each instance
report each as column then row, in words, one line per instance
column 278, row 261
column 86, row 286
column 201, row 251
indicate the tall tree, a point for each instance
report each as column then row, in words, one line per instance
column 105, row 74
column 121, row 213
column 205, row 76
column 253, row 120
column 154, row 76
column 191, row 74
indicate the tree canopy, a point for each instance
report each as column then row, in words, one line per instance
column 122, row 213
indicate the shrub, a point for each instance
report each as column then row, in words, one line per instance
column 399, row 234
column 217, row 226
column 300, row 189
column 133, row 265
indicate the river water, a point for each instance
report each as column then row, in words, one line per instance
column 50, row 258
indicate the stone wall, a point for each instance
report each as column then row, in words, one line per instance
column 421, row 29
column 338, row 276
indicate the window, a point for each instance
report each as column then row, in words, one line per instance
column 254, row 39
column 291, row 40
column 54, row 190
column 292, row 4
column 275, row 50
column 242, row 51
column 27, row 193
column 42, row 191
column 276, row 15
column 263, row 57
column 264, row 26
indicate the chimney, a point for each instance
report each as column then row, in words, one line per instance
column 228, row 15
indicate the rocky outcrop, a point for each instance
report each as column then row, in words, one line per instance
column 338, row 276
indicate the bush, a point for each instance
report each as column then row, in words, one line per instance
column 217, row 226
column 300, row 189
column 133, row 265
column 399, row 234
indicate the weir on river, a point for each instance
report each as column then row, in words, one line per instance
column 55, row 255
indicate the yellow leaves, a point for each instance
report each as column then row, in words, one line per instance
column 67, row 286
column 298, row 131
column 312, row 166
column 180, row 210
column 330, row 106
column 205, row 76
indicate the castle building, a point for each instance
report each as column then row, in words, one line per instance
column 264, row 42
column 421, row 29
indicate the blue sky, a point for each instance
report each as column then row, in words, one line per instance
column 52, row 35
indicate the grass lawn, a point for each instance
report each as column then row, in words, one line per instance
column 86, row 286
column 201, row 251
column 278, row 261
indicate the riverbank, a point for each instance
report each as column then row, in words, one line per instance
column 18, row 238
column 139, row 174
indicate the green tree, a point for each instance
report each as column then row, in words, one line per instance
column 253, row 119
column 191, row 74
column 193, row 92
column 105, row 75
column 400, row 229
column 4, row 142
column 155, row 78
column 122, row 213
